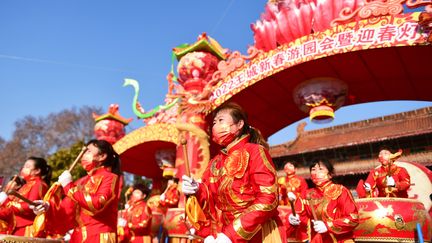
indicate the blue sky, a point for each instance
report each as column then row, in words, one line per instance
column 62, row 54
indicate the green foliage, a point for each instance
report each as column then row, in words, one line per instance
column 63, row 159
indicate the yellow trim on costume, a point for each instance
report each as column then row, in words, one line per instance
column 92, row 211
column 215, row 172
column 262, row 207
column 84, row 233
column 28, row 232
column 266, row 162
column 354, row 215
column 16, row 205
column 89, row 202
column 235, row 142
column 270, row 232
column 269, row 189
column 107, row 237
column 247, row 235
column 333, row 227
column 102, row 200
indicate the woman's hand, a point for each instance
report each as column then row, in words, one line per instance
column 65, row 178
column 319, row 226
column 42, row 207
column 294, row 220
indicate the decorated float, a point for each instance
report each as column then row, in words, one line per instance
column 309, row 58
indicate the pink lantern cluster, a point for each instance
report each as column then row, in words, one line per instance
column 286, row 20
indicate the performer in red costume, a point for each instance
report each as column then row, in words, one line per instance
column 170, row 197
column 330, row 207
column 137, row 221
column 90, row 207
column 7, row 220
column 37, row 175
column 293, row 183
column 389, row 179
column 240, row 182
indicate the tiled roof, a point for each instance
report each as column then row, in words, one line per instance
column 365, row 165
column 398, row 125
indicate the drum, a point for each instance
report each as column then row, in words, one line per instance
column 157, row 214
column 175, row 224
column 156, row 223
column 385, row 219
column 14, row 238
column 421, row 182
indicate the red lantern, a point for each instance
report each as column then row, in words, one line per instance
column 110, row 126
column 320, row 97
column 195, row 70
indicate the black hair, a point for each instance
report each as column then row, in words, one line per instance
column 385, row 147
column 112, row 158
column 324, row 162
column 294, row 163
column 139, row 186
column 238, row 114
column 45, row 169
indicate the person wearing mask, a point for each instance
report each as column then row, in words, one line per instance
column 7, row 221
column 292, row 183
column 388, row 179
column 170, row 197
column 239, row 182
column 138, row 217
column 330, row 207
column 37, row 175
column 90, row 205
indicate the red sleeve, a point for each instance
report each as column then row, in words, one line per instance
column 61, row 219
column 346, row 214
column 207, row 204
column 5, row 213
column 283, row 197
column 403, row 180
column 262, row 176
column 141, row 218
column 94, row 202
column 36, row 192
column 171, row 199
column 303, row 186
column 371, row 179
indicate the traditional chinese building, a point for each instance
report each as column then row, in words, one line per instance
column 353, row 147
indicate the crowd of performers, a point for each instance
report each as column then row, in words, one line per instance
column 236, row 199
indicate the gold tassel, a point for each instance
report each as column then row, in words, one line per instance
column 194, row 212
column 270, row 232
